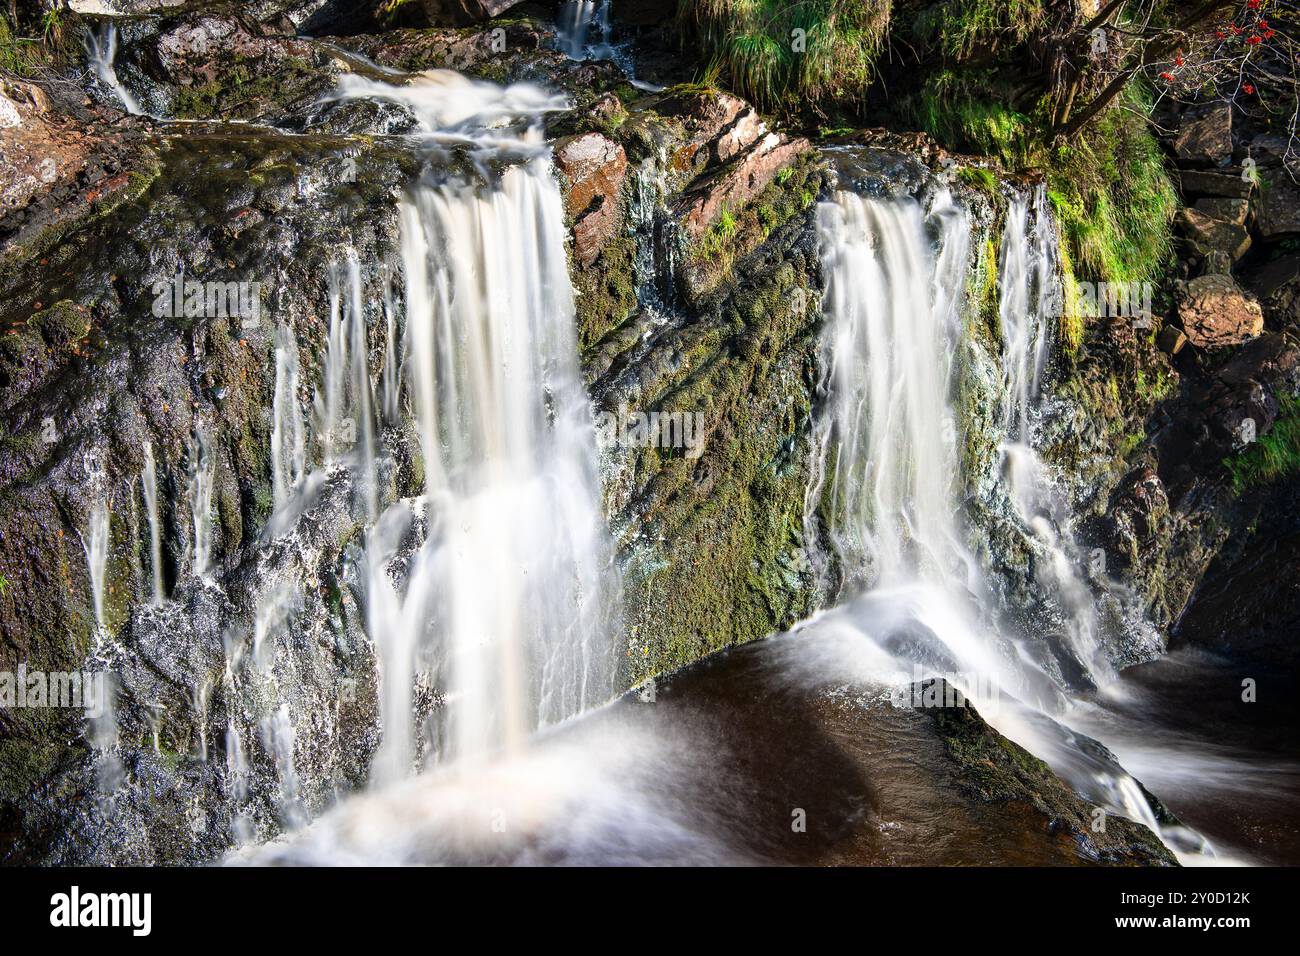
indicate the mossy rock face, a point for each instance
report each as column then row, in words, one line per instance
column 91, row 373
column 995, row 770
column 713, row 545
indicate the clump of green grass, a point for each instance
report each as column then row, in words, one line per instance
column 1113, row 198
column 38, row 42
column 963, row 110
column 964, row 27
column 1272, row 457
column 782, row 54
column 977, row 177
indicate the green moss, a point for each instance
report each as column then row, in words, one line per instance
column 967, row 109
column 605, row 293
column 961, row 28
column 727, row 529
column 1113, row 198
column 1274, row 456
column 977, row 177
column 710, row 260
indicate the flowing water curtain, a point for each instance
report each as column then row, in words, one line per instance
column 512, row 593
column 893, row 301
column 1030, row 302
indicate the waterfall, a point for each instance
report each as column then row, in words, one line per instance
column 886, row 439
column 512, row 591
column 1030, row 296
column 288, row 447
column 584, row 31
column 95, row 543
column 202, row 473
column 149, row 485
column 575, row 21
column 892, row 303
column 101, row 50
column 1030, row 299
column 345, row 424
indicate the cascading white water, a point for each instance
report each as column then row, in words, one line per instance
column 101, row 50
column 512, row 590
column 573, row 27
column 288, row 445
column 201, row 480
column 149, row 485
column 95, row 540
column 892, row 303
column 1030, row 299
column 584, row 30
column 893, row 314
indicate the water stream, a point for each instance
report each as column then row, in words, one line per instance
column 101, row 50
column 491, row 596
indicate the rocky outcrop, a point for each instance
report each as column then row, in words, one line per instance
column 594, row 167
column 1206, row 137
column 464, row 12
column 736, row 185
column 1276, row 283
column 1139, row 512
column 1219, row 241
column 995, row 770
column 1195, row 182
column 1247, row 604
column 1279, row 209
column 1217, row 313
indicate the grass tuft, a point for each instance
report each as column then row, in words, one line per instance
column 1273, row 456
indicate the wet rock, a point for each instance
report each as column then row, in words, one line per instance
column 1248, row 602
column 1139, row 513
column 1227, row 183
column 594, row 167
column 996, row 770
column 460, row 13
column 1217, row 313
column 1205, row 137
column 1249, row 387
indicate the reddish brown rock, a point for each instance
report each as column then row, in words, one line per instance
column 39, row 149
column 719, row 127
column 1171, row 340
column 1216, row 312
column 594, row 167
column 735, row 185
